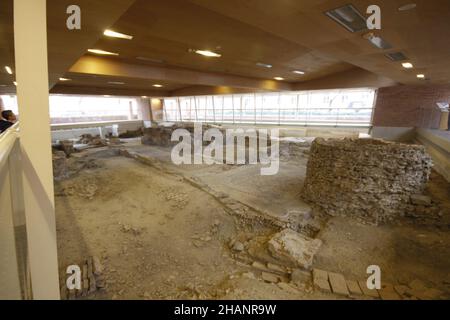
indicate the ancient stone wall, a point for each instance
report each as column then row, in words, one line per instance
column 366, row 178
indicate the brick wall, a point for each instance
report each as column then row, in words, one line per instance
column 409, row 106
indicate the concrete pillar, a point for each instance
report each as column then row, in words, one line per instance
column 157, row 109
column 144, row 111
column 444, row 121
column 130, row 110
column 30, row 39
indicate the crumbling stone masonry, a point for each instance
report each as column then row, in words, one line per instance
column 366, row 178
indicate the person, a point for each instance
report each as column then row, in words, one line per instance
column 8, row 120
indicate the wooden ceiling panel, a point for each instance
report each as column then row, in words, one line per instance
column 288, row 34
column 119, row 82
column 6, row 46
column 166, row 30
column 64, row 46
column 304, row 22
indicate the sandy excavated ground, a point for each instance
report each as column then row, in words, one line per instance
column 161, row 237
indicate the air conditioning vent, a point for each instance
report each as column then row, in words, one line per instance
column 396, row 56
column 349, row 17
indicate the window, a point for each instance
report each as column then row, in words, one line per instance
column 349, row 107
column 9, row 103
column 74, row 108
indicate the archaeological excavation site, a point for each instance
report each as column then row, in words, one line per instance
column 203, row 150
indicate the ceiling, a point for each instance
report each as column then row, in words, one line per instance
column 288, row 34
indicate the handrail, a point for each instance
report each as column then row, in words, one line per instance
column 7, row 140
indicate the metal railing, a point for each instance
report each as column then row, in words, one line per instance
column 15, row 279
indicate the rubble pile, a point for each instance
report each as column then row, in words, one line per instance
column 92, row 140
column 160, row 135
column 370, row 179
column 131, row 134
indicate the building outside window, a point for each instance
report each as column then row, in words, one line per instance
column 349, row 107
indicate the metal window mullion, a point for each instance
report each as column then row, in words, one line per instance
column 214, row 108
column 279, row 108
column 165, row 111
column 232, row 105
column 179, row 109
column 195, row 107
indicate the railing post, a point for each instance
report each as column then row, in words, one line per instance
column 30, row 39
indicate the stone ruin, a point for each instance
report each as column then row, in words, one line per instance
column 161, row 135
column 370, row 179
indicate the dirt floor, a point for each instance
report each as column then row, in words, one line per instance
column 189, row 232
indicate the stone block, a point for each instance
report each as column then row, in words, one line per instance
column 387, row 292
column 259, row 266
column 270, row 277
column 300, row 276
column 368, row 292
column 84, row 269
column 320, row 274
column 353, row 288
column 92, row 284
column 338, row 284
column 276, row 268
column 294, row 248
column 322, row 285
column 98, row 267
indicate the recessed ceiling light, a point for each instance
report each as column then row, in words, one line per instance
column 407, row 7
column 349, row 17
column 421, row 76
column 8, row 69
column 114, row 34
column 278, row 78
column 407, row 65
column 208, row 53
column 264, row 65
column 15, row 83
column 116, row 82
column 377, row 41
column 298, row 72
column 102, row 52
column 64, row 79
column 157, row 85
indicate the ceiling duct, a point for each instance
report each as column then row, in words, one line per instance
column 396, row 56
column 349, row 17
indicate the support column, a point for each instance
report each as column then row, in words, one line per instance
column 30, row 39
column 143, row 105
